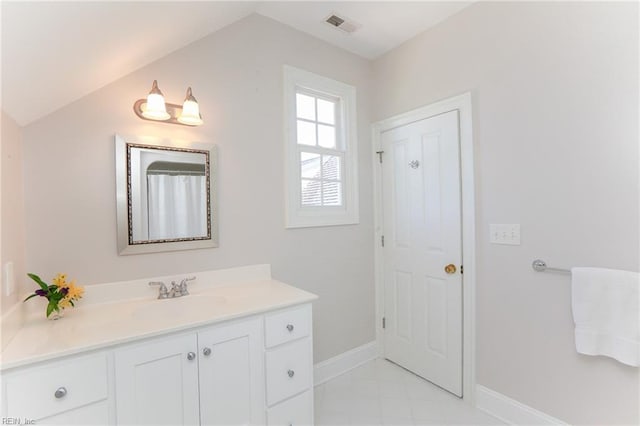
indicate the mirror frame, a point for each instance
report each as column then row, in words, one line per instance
column 126, row 246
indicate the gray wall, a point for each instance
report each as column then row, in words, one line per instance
column 555, row 116
column 12, row 228
column 236, row 75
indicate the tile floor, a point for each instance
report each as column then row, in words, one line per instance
column 381, row 393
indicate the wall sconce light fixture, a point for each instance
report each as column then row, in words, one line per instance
column 156, row 109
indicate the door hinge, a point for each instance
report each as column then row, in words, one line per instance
column 462, row 269
column 384, row 322
column 382, row 240
column 380, row 155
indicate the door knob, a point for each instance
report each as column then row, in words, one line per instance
column 290, row 327
column 450, row 269
column 291, row 373
column 61, row 392
column 206, row 351
column 191, row 356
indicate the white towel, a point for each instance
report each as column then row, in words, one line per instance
column 606, row 313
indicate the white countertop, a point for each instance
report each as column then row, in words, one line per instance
column 100, row 325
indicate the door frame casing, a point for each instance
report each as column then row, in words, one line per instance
column 462, row 103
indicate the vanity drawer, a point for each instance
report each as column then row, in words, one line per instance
column 288, row 325
column 296, row 411
column 288, row 370
column 51, row 389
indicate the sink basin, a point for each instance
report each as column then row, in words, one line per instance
column 190, row 305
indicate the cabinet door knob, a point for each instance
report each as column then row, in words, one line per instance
column 206, row 351
column 291, row 373
column 290, row 327
column 60, row 392
column 191, row 356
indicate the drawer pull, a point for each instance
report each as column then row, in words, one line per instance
column 291, row 373
column 61, row 392
column 206, row 351
column 191, row 356
column 290, row 327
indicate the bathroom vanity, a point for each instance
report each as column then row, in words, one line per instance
column 237, row 350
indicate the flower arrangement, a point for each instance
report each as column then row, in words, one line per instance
column 61, row 294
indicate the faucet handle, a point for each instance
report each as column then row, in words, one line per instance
column 183, row 285
column 163, row 293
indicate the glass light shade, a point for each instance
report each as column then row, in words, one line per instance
column 190, row 111
column 156, row 109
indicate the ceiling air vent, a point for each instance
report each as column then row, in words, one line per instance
column 342, row 23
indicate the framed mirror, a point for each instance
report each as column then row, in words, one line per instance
column 165, row 195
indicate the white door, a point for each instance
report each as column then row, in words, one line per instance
column 422, row 247
column 232, row 374
column 157, row 382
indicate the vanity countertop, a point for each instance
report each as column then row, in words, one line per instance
column 101, row 325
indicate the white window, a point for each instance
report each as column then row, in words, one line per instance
column 321, row 150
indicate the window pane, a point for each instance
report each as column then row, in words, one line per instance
column 306, row 133
column 309, row 165
column 305, row 107
column 326, row 111
column 331, row 167
column 311, row 194
column 326, row 136
column 332, row 193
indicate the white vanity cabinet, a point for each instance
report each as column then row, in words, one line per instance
column 213, row 376
column 289, row 367
column 156, row 381
column 232, row 374
column 245, row 360
column 73, row 391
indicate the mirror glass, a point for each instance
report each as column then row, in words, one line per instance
column 165, row 195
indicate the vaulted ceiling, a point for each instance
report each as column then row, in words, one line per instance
column 54, row 53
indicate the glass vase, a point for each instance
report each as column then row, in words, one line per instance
column 56, row 315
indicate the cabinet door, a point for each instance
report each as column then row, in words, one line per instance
column 157, row 383
column 232, row 374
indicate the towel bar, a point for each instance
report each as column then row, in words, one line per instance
column 539, row 265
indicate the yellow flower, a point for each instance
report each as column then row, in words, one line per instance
column 60, row 280
column 74, row 292
column 64, row 303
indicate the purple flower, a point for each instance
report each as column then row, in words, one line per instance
column 64, row 291
column 41, row 292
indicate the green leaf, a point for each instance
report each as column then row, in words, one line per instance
column 33, row 295
column 37, row 279
column 51, row 307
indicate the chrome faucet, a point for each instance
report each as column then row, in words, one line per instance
column 183, row 286
column 163, row 293
column 177, row 290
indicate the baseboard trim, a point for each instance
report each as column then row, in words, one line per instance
column 511, row 411
column 340, row 364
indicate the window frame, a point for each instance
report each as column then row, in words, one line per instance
column 307, row 83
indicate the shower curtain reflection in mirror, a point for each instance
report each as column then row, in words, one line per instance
column 168, row 194
column 177, row 205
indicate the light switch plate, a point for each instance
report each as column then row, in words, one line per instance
column 504, row 234
column 9, row 279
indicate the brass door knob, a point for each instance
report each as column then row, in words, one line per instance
column 450, row 269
